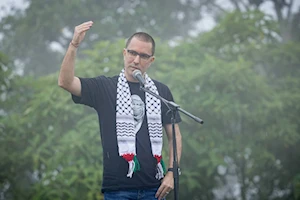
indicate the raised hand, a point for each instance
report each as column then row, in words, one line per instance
column 79, row 32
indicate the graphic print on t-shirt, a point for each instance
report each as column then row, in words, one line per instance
column 138, row 107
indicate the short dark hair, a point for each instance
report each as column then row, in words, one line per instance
column 145, row 37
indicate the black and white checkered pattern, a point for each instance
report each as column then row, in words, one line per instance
column 125, row 121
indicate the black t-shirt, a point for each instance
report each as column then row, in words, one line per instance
column 100, row 93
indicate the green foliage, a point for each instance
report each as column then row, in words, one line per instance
column 42, row 154
column 28, row 34
column 242, row 81
column 5, row 76
column 245, row 90
column 296, row 188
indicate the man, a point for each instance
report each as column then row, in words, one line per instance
column 130, row 120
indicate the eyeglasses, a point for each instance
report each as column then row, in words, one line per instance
column 143, row 56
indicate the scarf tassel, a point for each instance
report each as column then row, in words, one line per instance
column 161, row 168
column 133, row 163
column 126, row 120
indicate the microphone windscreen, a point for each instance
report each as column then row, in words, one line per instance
column 136, row 73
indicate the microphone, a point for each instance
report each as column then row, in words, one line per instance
column 137, row 74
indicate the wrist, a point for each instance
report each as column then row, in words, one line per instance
column 74, row 45
column 171, row 169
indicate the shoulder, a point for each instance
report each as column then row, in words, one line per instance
column 163, row 90
column 107, row 78
column 112, row 79
column 160, row 86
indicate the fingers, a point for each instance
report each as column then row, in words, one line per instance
column 162, row 195
column 79, row 32
column 83, row 27
column 166, row 186
column 163, row 191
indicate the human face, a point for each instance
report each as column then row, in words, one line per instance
column 133, row 62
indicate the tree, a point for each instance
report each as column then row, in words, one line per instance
column 50, row 148
column 241, row 79
column 29, row 34
column 37, row 36
column 285, row 12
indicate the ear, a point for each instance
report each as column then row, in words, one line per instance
column 152, row 59
column 124, row 52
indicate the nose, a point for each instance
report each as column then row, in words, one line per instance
column 137, row 59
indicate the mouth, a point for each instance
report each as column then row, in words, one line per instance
column 134, row 68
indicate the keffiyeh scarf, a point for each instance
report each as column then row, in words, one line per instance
column 126, row 135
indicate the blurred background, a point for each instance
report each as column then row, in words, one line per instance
column 233, row 63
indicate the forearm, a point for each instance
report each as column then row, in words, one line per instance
column 178, row 145
column 66, row 75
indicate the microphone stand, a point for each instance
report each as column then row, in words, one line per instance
column 173, row 108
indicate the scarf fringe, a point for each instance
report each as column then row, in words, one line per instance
column 137, row 164
column 130, row 168
column 160, row 167
column 125, row 129
column 133, row 164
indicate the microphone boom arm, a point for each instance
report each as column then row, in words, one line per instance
column 171, row 105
